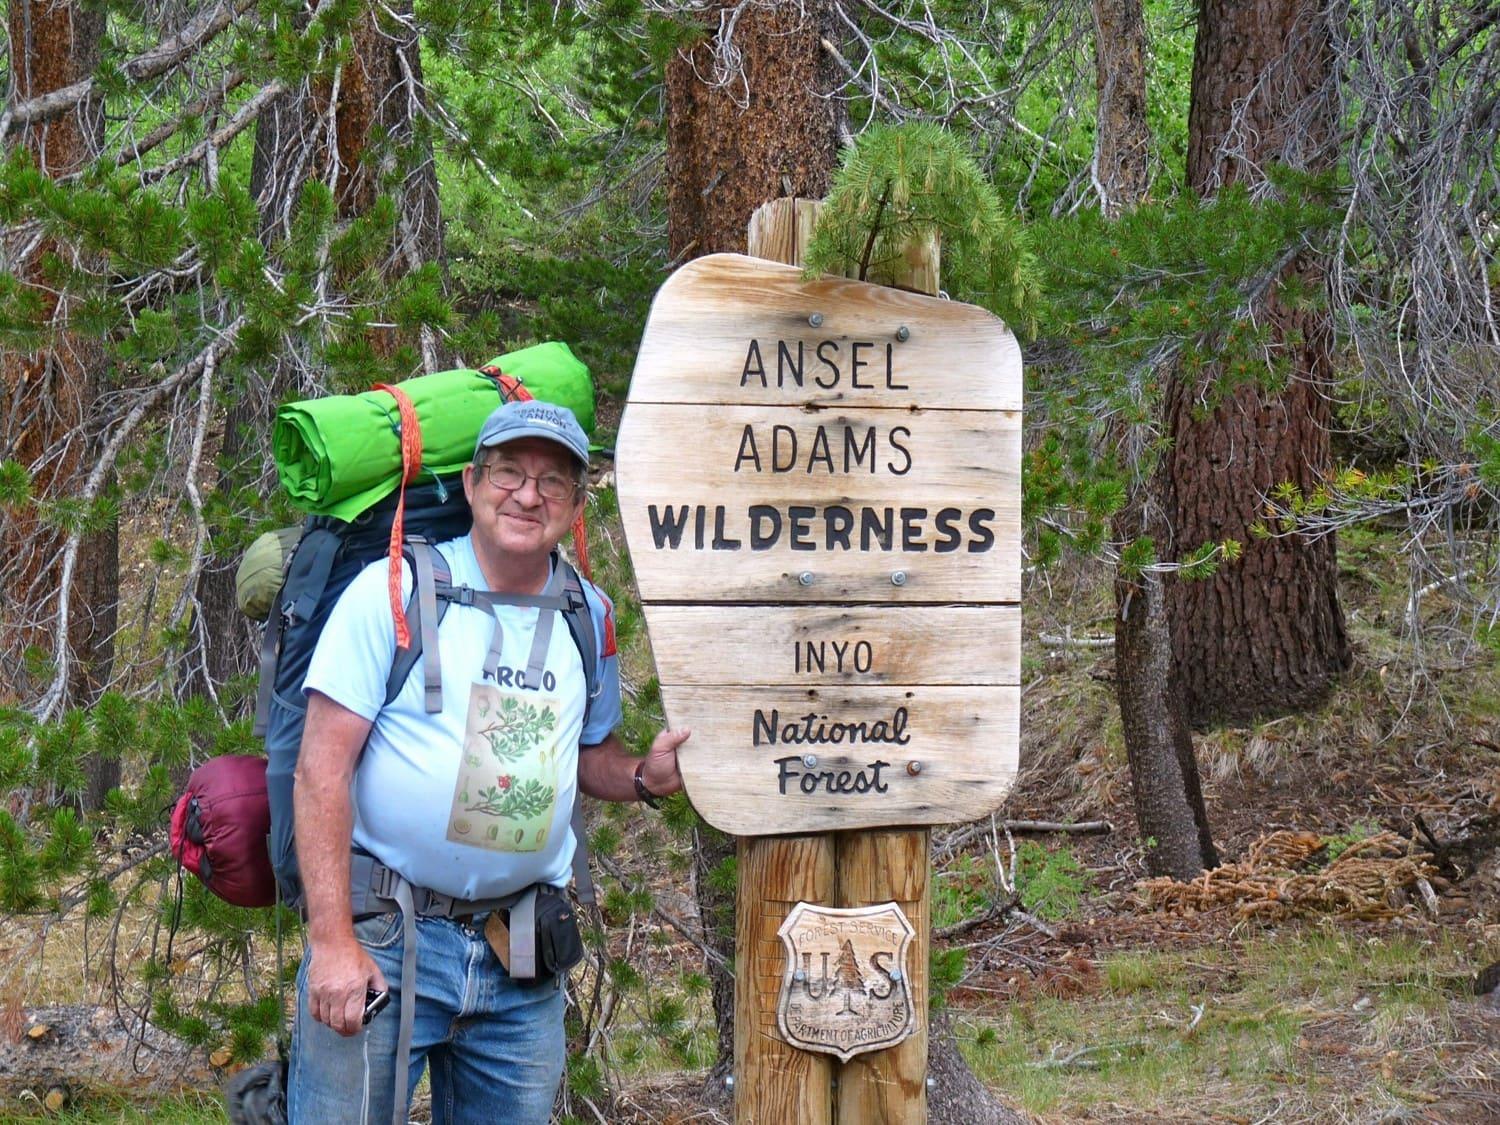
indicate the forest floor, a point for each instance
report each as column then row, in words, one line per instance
column 1265, row 1005
column 1318, row 1005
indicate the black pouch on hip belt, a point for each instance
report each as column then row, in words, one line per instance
column 556, row 944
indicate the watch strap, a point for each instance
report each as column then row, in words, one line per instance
column 644, row 794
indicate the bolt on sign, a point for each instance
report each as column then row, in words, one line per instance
column 845, row 988
column 820, row 488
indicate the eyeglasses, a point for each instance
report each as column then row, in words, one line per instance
column 509, row 477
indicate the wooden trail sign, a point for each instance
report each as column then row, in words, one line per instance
column 820, row 488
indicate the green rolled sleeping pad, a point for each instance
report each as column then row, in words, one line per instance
column 341, row 454
column 553, row 374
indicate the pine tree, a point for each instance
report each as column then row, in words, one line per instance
column 1266, row 635
column 846, row 977
column 916, row 185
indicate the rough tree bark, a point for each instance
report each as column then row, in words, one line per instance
column 1122, row 138
column 1265, row 635
column 748, row 120
column 1170, row 813
column 51, row 393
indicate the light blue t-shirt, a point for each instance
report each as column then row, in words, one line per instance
column 415, row 784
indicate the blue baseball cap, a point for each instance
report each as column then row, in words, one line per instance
column 533, row 418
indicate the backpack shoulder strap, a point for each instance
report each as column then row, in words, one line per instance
column 424, row 611
column 581, row 626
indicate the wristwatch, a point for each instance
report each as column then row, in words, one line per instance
column 651, row 799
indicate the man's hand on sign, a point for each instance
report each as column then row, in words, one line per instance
column 607, row 771
column 338, row 974
column 660, row 771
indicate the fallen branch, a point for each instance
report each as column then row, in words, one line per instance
column 1067, row 640
column 1081, row 1057
column 1414, row 605
column 958, row 929
column 1081, row 828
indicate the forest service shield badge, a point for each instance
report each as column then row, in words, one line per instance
column 845, row 989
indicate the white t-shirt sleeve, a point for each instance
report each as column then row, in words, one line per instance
column 358, row 644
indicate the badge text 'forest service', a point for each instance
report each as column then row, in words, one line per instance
column 845, row 989
column 820, row 487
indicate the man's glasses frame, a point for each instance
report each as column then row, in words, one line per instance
column 508, row 477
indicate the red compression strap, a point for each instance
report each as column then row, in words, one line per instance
column 411, row 465
column 581, row 546
column 513, row 390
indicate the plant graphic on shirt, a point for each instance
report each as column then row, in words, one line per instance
column 512, row 800
column 516, row 728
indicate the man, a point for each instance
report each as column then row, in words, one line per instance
column 472, row 802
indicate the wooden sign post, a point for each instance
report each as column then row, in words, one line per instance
column 820, row 486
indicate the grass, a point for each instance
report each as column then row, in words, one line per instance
column 1305, row 1019
column 181, row 1109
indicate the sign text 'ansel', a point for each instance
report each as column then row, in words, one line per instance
column 858, row 363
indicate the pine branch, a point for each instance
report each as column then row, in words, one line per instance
column 46, row 707
column 221, row 137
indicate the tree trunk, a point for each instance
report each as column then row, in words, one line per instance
column 382, row 93
column 1170, row 813
column 1122, row 138
column 1169, row 808
column 748, row 120
column 1265, row 635
column 958, row 1097
column 52, row 392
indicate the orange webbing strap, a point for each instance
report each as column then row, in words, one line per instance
column 581, row 546
column 513, row 390
column 411, row 465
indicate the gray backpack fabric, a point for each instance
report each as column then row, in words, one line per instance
column 257, row 1095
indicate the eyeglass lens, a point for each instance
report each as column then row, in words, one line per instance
column 552, row 486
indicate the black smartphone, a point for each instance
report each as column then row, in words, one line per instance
column 375, row 1003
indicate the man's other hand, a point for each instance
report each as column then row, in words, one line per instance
column 337, row 976
column 660, row 773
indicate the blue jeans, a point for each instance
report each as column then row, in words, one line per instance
column 495, row 1048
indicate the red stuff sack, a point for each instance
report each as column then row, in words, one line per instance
column 220, row 828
